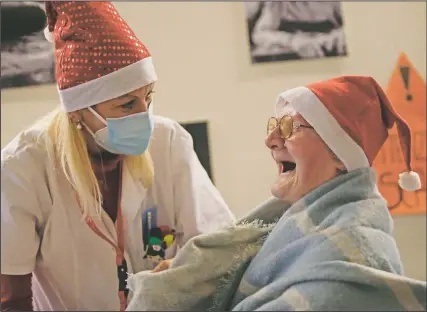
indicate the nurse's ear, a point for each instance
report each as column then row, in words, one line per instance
column 76, row 118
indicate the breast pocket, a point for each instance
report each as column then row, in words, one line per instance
column 158, row 237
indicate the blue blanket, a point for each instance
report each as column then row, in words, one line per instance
column 331, row 251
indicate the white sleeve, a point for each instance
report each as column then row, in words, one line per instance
column 19, row 238
column 198, row 204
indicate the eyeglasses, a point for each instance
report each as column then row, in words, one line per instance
column 286, row 126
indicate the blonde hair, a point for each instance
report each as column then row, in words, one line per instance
column 67, row 149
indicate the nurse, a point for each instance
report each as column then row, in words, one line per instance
column 101, row 187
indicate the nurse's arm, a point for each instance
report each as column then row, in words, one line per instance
column 198, row 204
column 19, row 239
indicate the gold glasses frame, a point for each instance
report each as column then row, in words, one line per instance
column 287, row 125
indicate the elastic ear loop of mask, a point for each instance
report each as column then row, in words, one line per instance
column 91, row 132
column 98, row 116
column 88, row 129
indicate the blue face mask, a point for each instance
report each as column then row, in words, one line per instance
column 128, row 135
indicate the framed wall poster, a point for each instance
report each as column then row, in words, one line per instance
column 27, row 58
column 200, row 135
column 294, row 30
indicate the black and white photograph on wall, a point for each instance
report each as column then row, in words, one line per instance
column 295, row 30
column 27, row 58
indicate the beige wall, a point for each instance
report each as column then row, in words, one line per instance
column 202, row 59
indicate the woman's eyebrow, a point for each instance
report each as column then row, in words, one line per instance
column 131, row 97
column 125, row 96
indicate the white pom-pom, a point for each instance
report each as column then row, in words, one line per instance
column 48, row 35
column 409, row 181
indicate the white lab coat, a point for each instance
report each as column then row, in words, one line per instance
column 74, row 269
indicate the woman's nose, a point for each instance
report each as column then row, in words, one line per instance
column 273, row 139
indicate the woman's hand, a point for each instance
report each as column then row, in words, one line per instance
column 164, row 265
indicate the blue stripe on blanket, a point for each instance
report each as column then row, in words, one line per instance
column 341, row 245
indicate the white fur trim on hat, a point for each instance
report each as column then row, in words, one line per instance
column 305, row 102
column 110, row 86
column 48, row 35
column 409, row 181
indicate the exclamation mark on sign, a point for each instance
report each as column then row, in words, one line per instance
column 404, row 71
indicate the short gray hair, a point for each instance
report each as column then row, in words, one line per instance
column 338, row 161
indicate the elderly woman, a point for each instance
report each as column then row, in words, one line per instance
column 325, row 243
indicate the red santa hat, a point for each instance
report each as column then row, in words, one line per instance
column 98, row 56
column 353, row 115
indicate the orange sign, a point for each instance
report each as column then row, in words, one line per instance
column 407, row 92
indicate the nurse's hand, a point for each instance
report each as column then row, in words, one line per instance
column 164, row 265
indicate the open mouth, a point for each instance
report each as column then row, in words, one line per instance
column 287, row 166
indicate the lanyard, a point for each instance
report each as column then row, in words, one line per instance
column 119, row 248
